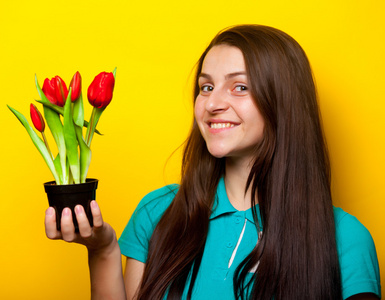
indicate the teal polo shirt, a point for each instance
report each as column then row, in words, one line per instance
column 233, row 235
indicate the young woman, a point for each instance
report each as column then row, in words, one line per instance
column 252, row 217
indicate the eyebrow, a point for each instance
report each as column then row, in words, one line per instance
column 227, row 76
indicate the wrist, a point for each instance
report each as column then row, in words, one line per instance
column 107, row 249
column 106, row 275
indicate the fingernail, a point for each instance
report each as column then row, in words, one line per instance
column 50, row 211
column 79, row 209
column 66, row 211
column 94, row 204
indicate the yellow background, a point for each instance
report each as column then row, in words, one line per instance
column 154, row 45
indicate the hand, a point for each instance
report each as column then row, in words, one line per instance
column 97, row 238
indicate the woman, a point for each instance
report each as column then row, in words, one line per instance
column 253, row 216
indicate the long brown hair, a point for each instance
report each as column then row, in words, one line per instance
column 290, row 177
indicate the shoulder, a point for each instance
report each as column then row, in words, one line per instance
column 357, row 255
column 135, row 237
column 348, row 227
column 155, row 203
column 152, row 207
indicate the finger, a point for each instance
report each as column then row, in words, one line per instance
column 50, row 224
column 85, row 229
column 67, row 225
column 96, row 214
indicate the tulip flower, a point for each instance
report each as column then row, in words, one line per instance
column 76, row 85
column 99, row 95
column 38, row 122
column 71, row 163
column 77, row 99
column 55, row 90
column 37, row 118
column 100, row 90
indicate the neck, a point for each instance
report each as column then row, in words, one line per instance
column 237, row 172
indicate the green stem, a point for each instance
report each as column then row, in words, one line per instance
column 46, row 144
column 70, row 179
column 96, row 113
column 89, row 133
column 85, row 154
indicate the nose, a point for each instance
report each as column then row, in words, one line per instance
column 217, row 101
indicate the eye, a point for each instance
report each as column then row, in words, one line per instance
column 206, row 88
column 240, row 88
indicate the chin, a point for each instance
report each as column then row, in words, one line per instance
column 217, row 153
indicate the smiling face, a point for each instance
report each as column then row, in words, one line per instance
column 225, row 111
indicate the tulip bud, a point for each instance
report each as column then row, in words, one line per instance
column 55, row 90
column 100, row 90
column 37, row 118
column 76, row 85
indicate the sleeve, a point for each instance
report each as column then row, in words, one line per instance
column 136, row 236
column 357, row 256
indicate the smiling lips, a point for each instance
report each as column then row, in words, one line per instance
column 220, row 124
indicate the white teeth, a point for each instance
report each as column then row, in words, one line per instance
column 221, row 125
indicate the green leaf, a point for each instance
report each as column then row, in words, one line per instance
column 71, row 141
column 38, row 142
column 85, row 155
column 57, row 165
column 79, row 111
column 60, row 110
column 56, row 127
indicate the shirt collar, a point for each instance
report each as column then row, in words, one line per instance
column 222, row 204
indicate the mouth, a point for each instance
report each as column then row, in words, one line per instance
column 221, row 125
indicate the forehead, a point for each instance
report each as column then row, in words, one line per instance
column 223, row 59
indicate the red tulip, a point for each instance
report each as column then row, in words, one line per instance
column 55, row 90
column 101, row 89
column 76, row 85
column 37, row 118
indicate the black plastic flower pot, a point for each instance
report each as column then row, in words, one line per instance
column 70, row 195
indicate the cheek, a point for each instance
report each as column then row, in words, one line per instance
column 199, row 116
column 198, row 110
column 259, row 129
column 254, row 119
